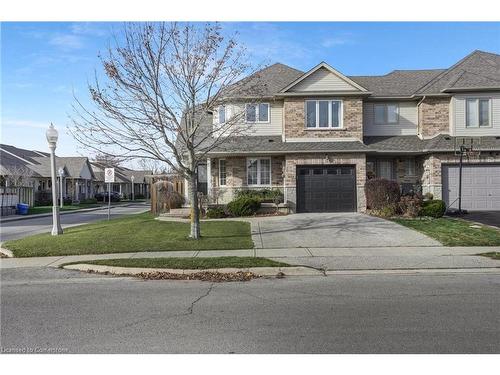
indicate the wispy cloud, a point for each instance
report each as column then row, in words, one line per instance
column 19, row 123
column 67, row 41
column 88, row 28
column 334, row 41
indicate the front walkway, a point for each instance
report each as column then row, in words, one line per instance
column 333, row 230
column 333, row 259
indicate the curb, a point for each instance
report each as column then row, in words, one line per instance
column 412, row 271
column 36, row 216
column 259, row 271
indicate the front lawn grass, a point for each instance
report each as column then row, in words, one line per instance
column 70, row 207
column 134, row 233
column 492, row 255
column 453, row 232
column 188, row 263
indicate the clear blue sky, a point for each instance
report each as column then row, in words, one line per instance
column 43, row 62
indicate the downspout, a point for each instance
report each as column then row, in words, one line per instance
column 418, row 113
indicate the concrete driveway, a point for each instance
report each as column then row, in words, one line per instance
column 333, row 230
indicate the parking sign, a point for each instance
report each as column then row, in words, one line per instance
column 109, row 175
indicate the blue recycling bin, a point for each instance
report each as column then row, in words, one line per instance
column 22, row 208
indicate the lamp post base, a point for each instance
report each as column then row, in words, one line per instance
column 56, row 225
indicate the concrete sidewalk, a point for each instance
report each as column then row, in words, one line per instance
column 330, row 259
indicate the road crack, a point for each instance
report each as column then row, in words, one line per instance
column 209, row 290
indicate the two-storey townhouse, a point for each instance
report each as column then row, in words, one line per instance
column 320, row 135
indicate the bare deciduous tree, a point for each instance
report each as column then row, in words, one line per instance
column 161, row 82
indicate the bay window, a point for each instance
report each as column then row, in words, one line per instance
column 259, row 171
column 477, row 112
column 323, row 114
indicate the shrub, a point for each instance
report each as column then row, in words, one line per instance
column 174, row 199
column 264, row 195
column 386, row 211
column 410, row 205
column 215, row 213
column 243, row 206
column 139, row 196
column 381, row 193
column 428, row 196
column 434, row 208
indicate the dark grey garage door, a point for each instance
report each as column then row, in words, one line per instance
column 480, row 186
column 329, row 188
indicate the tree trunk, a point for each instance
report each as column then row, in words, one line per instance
column 195, row 209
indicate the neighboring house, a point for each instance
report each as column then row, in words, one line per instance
column 319, row 135
column 123, row 181
column 77, row 178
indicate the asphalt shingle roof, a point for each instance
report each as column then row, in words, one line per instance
column 478, row 69
column 264, row 83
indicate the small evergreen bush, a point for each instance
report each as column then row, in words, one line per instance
column 434, row 208
column 243, row 206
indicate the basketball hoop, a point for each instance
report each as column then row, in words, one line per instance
column 468, row 146
column 472, row 154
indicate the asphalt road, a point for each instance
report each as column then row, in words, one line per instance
column 46, row 309
column 22, row 228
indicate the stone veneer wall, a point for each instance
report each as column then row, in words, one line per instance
column 431, row 177
column 236, row 177
column 294, row 110
column 434, row 117
column 292, row 161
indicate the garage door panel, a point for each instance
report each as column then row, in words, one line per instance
column 480, row 186
column 326, row 189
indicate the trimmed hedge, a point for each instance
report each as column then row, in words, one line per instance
column 434, row 208
column 243, row 206
column 381, row 193
column 215, row 213
column 264, row 195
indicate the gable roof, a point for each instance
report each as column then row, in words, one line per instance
column 13, row 155
column 324, row 65
column 478, row 70
column 73, row 165
column 264, row 83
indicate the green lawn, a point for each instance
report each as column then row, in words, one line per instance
column 188, row 263
column 134, row 233
column 47, row 209
column 492, row 255
column 454, row 232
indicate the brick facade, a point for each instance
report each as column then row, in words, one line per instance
column 294, row 114
column 236, row 177
column 434, row 117
column 292, row 161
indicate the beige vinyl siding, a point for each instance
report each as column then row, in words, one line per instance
column 322, row 80
column 458, row 116
column 273, row 127
column 407, row 124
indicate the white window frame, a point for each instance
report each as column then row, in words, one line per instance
column 225, row 171
column 330, row 125
column 225, row 114
column 257, row 113
column 386, row 113
column 477, row 99
column 258, row 171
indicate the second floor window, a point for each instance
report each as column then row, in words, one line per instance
column 386, row 113
column 222, row 114
column 323, row 114
column 222, row 172
column 257, row 112
column 477, row 113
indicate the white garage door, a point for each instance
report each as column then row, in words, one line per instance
column 480, row 186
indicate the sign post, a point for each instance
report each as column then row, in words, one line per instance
column 109, row 178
